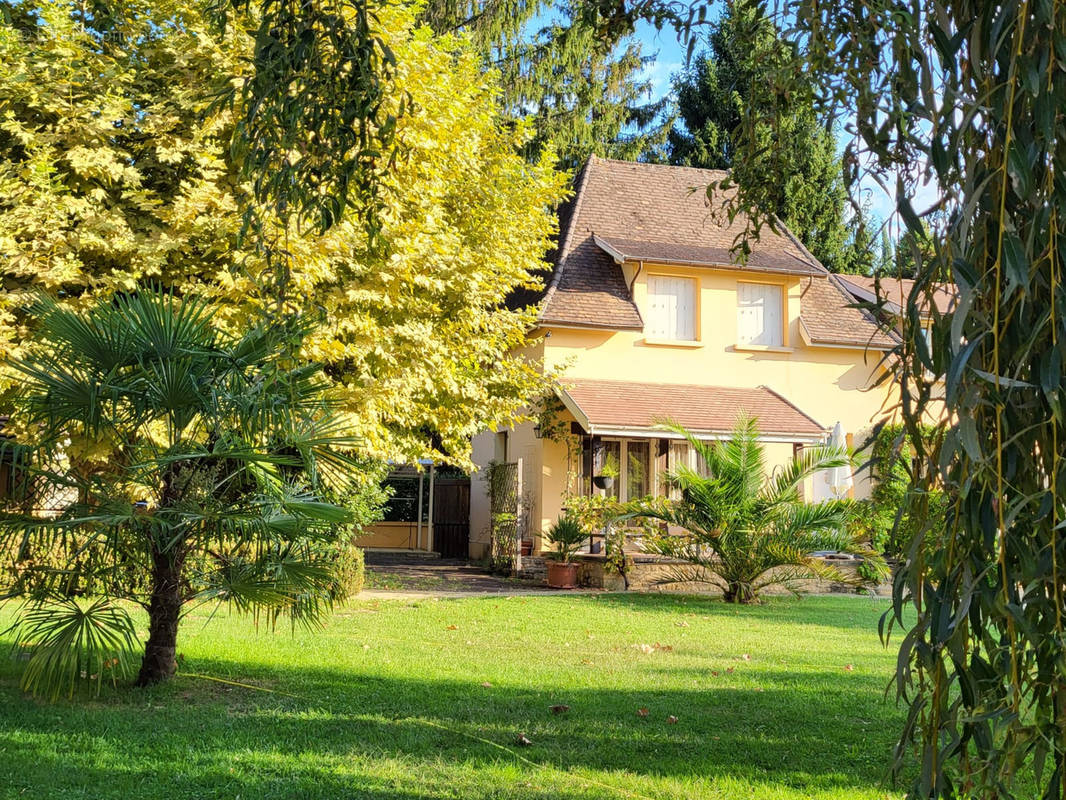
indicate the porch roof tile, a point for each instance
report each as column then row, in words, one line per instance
column 703, row 409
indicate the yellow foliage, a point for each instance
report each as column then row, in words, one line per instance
column 115, row 169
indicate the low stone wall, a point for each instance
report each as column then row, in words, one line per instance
column 656, row 574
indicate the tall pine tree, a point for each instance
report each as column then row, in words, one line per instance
column 809, row 193
column 581, row 85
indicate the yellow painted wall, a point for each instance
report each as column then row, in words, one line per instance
column 393, row 535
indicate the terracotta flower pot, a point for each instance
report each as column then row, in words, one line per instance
column 562, row 576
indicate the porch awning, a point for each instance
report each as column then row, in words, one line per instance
column 622, row 408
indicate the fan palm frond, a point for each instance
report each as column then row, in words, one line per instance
column 67, row 643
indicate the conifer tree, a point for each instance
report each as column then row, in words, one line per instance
column 582, row 87
column 810, row 195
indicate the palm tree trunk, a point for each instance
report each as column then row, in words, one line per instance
column 739, row 592
column 160, row 652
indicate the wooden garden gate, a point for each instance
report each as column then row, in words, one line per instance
column 451, row 517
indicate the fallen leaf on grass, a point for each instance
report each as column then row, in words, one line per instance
column 642, row 712
column 729, row 671
column 714, row 673
column 849, row 668
column 560, row 709
column 452, row 628
column 681, row 623
column 486, row 684
column 522, row 741
column 648, row 649
column 671, row 720
column 746, row 657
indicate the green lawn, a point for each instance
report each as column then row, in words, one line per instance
column 402, row 700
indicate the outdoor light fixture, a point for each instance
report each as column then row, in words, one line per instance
column 537, row 431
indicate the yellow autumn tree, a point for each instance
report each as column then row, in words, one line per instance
column 116, row 170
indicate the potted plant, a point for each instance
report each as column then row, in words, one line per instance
column 608, row 472
column 566, row 536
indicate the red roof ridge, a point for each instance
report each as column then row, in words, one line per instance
column 655, row 165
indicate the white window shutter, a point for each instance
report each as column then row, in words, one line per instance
column 759, row 314
column 672, row 308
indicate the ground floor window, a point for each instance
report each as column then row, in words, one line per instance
column 631, row 459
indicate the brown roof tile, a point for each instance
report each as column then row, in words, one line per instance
column 704, row 409
column 827, row 312
column 649, row 203
column 896, row 291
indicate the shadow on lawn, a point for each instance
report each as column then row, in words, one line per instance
column 852, row 612
column 185, row 739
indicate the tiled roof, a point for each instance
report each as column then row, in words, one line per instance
column 895, row 291
column 648, row 203
column 658, row 212
column 827, row 312
column 703, row 409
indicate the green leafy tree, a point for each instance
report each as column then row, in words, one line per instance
column 223, row 455
column 743, row 530
column 803, row 164
column 964, row 101
column 116, row 168
column 914, row 249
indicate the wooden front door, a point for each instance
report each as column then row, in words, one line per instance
column 451, row 517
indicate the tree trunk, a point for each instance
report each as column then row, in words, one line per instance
column 739, row 592
column 160, row 652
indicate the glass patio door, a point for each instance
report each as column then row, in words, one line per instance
column 633, row 459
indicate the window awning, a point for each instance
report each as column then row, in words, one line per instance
column 623, row 408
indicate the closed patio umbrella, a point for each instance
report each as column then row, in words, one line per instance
column 839, row 478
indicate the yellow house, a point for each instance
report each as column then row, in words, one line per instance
column 646, row 316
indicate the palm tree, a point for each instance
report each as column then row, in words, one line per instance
column 186, row 464
column 742, row 529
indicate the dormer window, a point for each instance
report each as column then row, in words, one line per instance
column 671, row 309
column 760, row 312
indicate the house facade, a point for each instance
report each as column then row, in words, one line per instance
column 647, row 316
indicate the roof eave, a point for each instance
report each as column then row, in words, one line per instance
column 622, row 258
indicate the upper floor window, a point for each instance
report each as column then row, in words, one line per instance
column 760, row 311
column 671, row 309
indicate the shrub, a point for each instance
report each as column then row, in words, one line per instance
column 896, row 512
column 349, row 569
column 567, row 536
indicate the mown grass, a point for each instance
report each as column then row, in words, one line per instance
column 401, row 700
